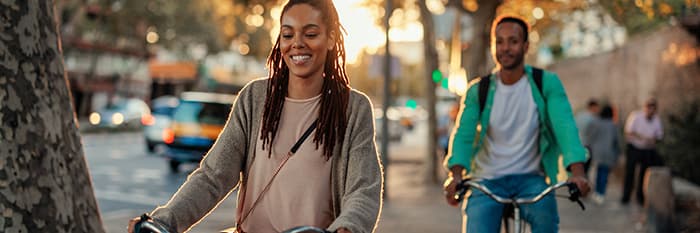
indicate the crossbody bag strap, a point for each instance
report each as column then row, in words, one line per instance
column 269, row 182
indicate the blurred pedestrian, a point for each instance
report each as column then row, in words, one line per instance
column 604, row 139
column 332, row 180
column 583, row 121
column 643, row 131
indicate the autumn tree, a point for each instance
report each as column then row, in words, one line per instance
column 44, row 180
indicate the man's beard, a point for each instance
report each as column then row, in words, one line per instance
column 517, row 61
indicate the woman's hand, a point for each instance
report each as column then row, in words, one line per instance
column 344, row 230
column 132, row 223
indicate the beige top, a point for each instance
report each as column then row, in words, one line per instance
column 301, row 192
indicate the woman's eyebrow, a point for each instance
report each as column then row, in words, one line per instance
column 305, row 26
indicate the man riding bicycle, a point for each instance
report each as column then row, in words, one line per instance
column 511, row 132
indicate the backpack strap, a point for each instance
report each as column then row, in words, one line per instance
column 484, row 83
column 537, row 77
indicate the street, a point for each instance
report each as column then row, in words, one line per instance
column 124, row 175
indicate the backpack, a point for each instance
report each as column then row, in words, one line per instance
column 485, row 81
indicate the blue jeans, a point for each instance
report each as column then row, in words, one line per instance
column 601, row 180
column 483, row 214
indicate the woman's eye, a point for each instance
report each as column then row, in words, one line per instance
column 287, row 36
column 311, row 35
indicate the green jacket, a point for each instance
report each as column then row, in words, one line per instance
column 554, row 110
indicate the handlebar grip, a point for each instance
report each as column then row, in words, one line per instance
column 461, row 191
column 147, row 225
column 575, row 195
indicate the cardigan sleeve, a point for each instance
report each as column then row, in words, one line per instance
column 218, row 173
column 362, row 197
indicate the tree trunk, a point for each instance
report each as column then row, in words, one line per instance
column 476, row 57
column 431, row 64
column 44, row 180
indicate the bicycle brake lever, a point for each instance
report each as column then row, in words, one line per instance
column 575, row 194
column 581, row 204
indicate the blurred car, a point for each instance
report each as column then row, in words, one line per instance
column 162, row 109
column 396, row 129
column 196, row 123
column 128, row 113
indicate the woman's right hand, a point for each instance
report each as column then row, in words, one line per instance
column 132, row 223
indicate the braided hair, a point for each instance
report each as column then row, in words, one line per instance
column 332, row 119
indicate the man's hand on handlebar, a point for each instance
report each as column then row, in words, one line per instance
column 450, row 185
column 579, row 178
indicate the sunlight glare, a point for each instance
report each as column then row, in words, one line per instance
column 363, row 33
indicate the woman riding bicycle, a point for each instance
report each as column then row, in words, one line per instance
column 332, row 180
column 522, row 121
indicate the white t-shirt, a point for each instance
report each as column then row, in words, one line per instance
column 638, row 123
column 511, row 145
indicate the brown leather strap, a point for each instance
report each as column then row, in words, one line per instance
column 291, row 152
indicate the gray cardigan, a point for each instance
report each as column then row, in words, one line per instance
column 356, row 177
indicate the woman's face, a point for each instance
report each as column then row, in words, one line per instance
column 304, row 41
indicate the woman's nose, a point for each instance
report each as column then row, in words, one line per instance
column 298, row 43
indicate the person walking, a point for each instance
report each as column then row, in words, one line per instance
column 332, row 180
column 643, row 131
column 604, row 139
column 583, row 121
column 513, row 136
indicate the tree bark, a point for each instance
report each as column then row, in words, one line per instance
column 431, row 64
column 44, row 181
column 477, row 54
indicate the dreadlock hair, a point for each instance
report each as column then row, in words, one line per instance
column 335, row 93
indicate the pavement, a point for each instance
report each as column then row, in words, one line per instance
column 413, row 204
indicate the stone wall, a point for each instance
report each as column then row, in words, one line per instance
column 663, row 64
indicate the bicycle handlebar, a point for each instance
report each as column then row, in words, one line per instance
column 574, row 193
column 147, row 225
column 306, row 229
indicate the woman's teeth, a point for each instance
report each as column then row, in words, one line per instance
column 300, row 58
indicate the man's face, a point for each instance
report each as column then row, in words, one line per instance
column 509, row 45
column 650, row 109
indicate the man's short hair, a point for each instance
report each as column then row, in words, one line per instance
column 511, row 19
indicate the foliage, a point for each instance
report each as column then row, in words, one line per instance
column 218, row 24
column 681, row 143
column 644, row 15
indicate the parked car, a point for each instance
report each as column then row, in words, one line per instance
column 162, row 109
column 127, row 113
column 196, row 123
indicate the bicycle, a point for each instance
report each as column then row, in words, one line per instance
column 147, row 225
column 512, row 209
